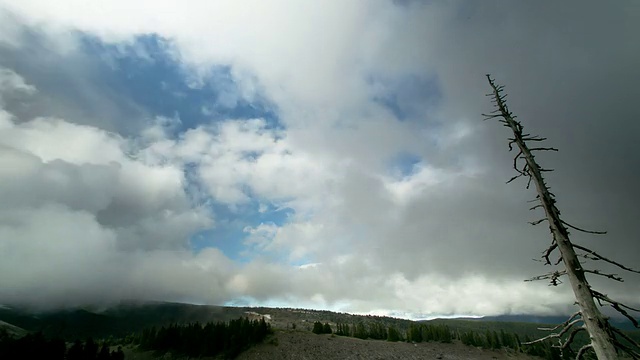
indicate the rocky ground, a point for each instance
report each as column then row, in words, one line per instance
column 302, row 345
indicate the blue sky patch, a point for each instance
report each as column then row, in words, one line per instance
column 147, row 72
column 403, row 164
column 228, row 234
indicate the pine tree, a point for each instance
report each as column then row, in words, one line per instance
column 393, row 334
column 317, row 328
column 361, row 331
column 415, row 333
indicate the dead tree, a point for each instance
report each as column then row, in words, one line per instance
column 606, row 340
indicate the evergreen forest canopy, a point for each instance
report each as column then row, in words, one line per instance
column 193, row 340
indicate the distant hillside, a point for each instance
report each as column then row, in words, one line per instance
column 12, row 329
column 125, row 319
column 620, row 323
column 117, row 321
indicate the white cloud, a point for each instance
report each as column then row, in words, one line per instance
column 432, row 242
column 242, row 159
column 88, row 169
column 80, row 212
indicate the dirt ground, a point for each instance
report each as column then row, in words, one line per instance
column 300, row 345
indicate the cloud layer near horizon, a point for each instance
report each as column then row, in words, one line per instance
column 393, row 187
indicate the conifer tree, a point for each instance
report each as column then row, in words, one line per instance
column 393, row 334
column 361, row 331
column 317, row 328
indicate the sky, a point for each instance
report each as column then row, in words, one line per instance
column 326, row 155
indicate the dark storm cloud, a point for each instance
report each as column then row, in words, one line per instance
column 571, row 73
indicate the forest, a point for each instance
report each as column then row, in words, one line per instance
column 212, row 339
column 37, row 346
column 225, row 339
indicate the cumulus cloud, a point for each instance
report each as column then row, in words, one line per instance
column 75, row 200
column 354, row 85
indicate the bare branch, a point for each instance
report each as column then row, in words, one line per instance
column 554, row 276
column 583, row 230
column 577, row 313
column 515, row 161
column 618, row 306
column 537, row 221
column 535, row 207
column 567, row 327
column 515, row 177
column 607, row 299
column 548, row 252
column 489, row 117
column 626, row 337
column 550, row 336
column 543, row 149
column 582, row 351
column 572, row 335
column 623, row 347
column 610, row 276
column 600, row 257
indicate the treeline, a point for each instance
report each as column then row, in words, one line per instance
column 378, row 331
column 195, row 340
column 502, row 339
column 442, row 333
column 318, row 328
column 37, row 346
column 372, row 330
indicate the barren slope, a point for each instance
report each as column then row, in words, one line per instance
column 301, row 345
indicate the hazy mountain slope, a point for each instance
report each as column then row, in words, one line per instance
column 117, row 321
column 124, row 319
column 11, row 329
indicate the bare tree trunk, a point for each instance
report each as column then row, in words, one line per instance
column 602, row 338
